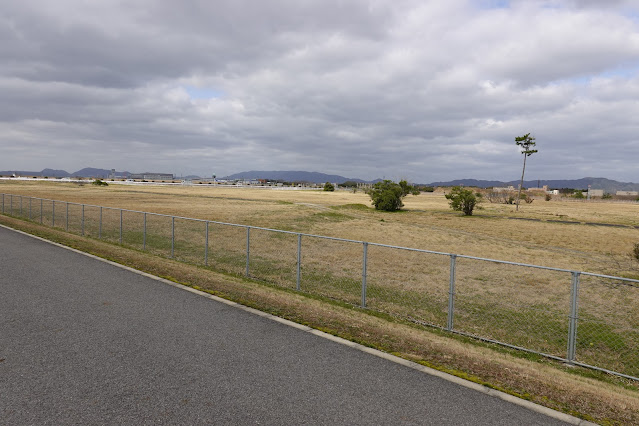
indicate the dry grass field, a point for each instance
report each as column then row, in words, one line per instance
column 426, row 222
column 512, row 304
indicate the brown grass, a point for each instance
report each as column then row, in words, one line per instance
column 427, row 222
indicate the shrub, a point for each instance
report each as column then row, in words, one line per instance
column 329, row 187
column 387, row 195
column 99, row 182
column 606, row 196
column 635, row 251
column 464, row 200
column 578, row 194
column 500, row 197
column 529, row 199
column 548, row 197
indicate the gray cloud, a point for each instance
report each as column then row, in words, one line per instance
column 421, row 90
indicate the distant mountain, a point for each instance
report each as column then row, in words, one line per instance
column 86, row 172
column 45, row 172
column 97, row 173
column 472, row 182
column 53, row 173
column 20, row 173
column 607, row 185
column 292, row 176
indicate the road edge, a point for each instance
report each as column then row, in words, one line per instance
column 380, row 354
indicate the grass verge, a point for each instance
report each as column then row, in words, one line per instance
column 590, row 395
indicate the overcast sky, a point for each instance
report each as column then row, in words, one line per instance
column 422, row 90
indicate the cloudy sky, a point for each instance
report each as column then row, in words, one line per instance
column 415, row 89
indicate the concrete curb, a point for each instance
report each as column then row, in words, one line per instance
column 397, row 360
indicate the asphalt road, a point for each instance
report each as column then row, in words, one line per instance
column 86, row 342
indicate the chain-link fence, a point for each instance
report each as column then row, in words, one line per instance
column 577, row 317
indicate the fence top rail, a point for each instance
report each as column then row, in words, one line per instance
column 612, row 277
column 504, row 262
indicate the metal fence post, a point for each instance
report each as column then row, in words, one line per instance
column 144, row 234
column 206, row 244
column 82, row 219
column 248, row 248
column 172, row 236
column 100, row 225
column 572, row 325
column 121, row 220
column 299, row 262
column 451, row 293
column 66, row 227
column 364, row 263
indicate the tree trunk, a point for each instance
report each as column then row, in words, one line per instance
column 521, row 183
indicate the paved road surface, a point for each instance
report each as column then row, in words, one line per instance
column 86, row 342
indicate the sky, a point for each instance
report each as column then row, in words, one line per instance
column 401, row 89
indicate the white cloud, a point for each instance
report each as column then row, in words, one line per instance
column 430, row 90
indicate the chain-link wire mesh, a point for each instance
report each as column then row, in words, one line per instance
column 58, row 214
column 92, row 221
column 132, row 229
column 332, row 268
column 189, row 240
column 512, row 304
column 273, row 257
column 409, row 284
column 109, row 226
column 74, row 218
column 158, row 237
column 227, row 248
column 608, row 324
column 47, row 212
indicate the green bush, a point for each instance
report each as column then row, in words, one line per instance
column 387, row 195
column 463, row 200
column 329, row 187
column 578, row 194
column 606, row 196
column 99, row 182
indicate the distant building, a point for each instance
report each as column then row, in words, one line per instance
column 543, row 189
column 596, row 192
column 632, row 193
column 151, row 176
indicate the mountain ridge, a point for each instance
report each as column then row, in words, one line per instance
column 85, row 172
column 292, row 176
column 608, row 185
